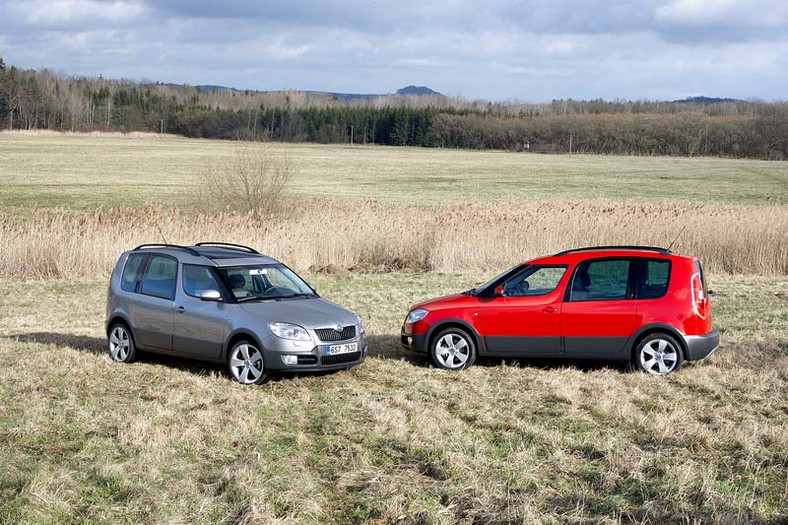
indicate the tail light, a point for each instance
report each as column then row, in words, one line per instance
column 699, row 301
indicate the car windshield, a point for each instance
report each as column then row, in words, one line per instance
column 478, row 289
column 262, row 282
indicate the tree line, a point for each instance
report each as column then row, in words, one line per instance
column 44, row 99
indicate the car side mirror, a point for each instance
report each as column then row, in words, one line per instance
column 210, row 295
column 499, row 291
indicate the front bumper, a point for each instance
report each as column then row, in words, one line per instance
column 310, row 357
column 414, row 343
column 702, row 346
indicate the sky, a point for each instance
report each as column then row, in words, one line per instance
column 500, row 50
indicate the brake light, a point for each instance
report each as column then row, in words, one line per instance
column 698, row 296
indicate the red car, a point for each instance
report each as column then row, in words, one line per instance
column 619, row 303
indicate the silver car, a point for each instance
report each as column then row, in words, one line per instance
column 226, row 303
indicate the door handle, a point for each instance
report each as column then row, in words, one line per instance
column 549, row 309
column 181, row 309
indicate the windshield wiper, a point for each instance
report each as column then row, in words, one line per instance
column 274, row 297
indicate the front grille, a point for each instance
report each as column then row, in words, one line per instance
column 341, row 358
column 329, row 334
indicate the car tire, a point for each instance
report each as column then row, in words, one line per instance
column 658, row 354
column 453, row 349
column 121, row 343
column 246, row 364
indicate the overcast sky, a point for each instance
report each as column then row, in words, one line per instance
column 495, row 49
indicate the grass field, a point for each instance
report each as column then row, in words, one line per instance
column 47, row 169
column 83, row 438
column 87, row 440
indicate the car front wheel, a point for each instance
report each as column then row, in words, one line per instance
column 453, row 349
column 245, row 363
column 658, row 354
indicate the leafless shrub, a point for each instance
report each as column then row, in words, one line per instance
column 254, row 182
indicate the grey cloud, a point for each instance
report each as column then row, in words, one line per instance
column 500, row 49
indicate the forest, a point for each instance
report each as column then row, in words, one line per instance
column 44, row 99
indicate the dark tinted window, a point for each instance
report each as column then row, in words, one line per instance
column 128, row 280
column 534, row 280
column 197, row 279
column 653, row 278
column 159, row 278
column 600, row 280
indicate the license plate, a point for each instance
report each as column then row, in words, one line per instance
column 347, row 348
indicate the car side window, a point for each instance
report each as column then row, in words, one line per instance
column 198, row 279
column 534, row 280
column 603, row 280
column 131, row 270
column 159, row 277
column 653, row 278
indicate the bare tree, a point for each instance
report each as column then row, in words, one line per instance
column 253, row 182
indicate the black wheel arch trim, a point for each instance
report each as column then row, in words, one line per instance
column 116, row 318
column 657, row 327
column 235, row 334
column 465, row 325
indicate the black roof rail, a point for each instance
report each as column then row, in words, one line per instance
column 192, row 251
column 663, row 251
column 228, row 245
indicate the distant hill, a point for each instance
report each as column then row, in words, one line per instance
column 416, row 90
column 705, row 100
column 407, row 90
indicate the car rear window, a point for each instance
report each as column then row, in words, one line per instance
column 130, row 275
column 653, row 278
column 159, row 278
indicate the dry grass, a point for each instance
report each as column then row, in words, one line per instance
column 167, row 440
column 372, row 236
column 85, row 171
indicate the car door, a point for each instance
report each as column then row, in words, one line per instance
column 599, row 313
column 524, row 319
column 199, row 327
column 153, row 307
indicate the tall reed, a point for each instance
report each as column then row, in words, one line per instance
column 375, row 236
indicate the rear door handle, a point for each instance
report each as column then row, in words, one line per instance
column 181, row 309
column 549, row 309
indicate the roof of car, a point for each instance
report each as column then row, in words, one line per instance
column 209, row 254
column 581, row 254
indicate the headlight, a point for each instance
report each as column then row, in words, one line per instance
column 289, row 331
column 361, row 328
column 416, row 315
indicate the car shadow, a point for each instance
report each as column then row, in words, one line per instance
column 386, row 346
column 98, row 346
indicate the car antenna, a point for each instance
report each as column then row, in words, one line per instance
column 677, row 237
column 160, row 232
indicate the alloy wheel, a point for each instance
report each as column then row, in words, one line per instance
column 452, row 351
column 246, row 363
column 658, row 357
column 119, row 343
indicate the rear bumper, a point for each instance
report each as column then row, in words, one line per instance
column 702, row 346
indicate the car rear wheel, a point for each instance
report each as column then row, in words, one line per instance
column 658, row 354
column 121, row 344
column 245, row 363
column 453, row 349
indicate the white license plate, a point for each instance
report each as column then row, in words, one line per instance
column 347, row 348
